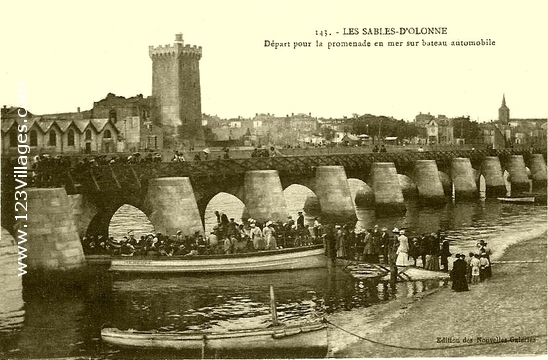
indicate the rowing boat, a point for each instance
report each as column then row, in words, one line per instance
column 518, row 200
column 310, row 338
column 528, row 198
column 305, row 257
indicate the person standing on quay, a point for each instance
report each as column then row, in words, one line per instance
column 376, row 244
column 385, row 244
column 475, row 265
column 423, row 249
column 368, row 246
column 485, row 267
column 432, row 261
column 403, row 250
column 445, row 253
column 458, row 274
column 414, row 250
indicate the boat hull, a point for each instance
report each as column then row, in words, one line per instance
column 277, row 260
column 309, row 339
column 516, row 200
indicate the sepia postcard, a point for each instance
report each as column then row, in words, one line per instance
column 259, row 179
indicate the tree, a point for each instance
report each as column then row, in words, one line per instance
column 327, row 133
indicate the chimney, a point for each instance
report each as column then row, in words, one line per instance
column 78, row 109
column 179, row 38
column 310, row 114
column 292, row 114
column 5, row 106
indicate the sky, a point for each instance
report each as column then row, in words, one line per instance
column 70, row 54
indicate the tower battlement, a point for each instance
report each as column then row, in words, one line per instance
column 178, row 48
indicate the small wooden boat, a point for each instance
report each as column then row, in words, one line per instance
column 518, row 200
column 305, row 257
column 311, row 336
column 301, row 340
column 527, row 198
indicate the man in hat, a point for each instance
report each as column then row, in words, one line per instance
column 376, row 236
column 483, row 248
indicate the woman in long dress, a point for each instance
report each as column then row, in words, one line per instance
column 433, row 261
column 257, row 237
column 403, row 250
column 458, row 274
column 268, row 234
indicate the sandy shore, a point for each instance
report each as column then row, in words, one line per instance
column 512, row 305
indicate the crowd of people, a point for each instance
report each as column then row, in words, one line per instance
column 227, row 237
column 472, row 269
column 347, row 241
column 374, row 246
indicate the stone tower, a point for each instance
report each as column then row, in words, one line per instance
column 176, row 90
column 504, row 112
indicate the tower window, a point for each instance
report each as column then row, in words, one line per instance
column 88, row 134
column 112, row 116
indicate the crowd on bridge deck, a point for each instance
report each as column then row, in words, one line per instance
column 227, row 237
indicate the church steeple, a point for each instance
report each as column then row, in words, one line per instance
column 504, row 112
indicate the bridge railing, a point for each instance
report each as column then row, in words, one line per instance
column 92, row 177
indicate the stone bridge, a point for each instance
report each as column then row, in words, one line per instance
column 82, row 199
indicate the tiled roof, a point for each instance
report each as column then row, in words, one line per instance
column 6, row 124
column 99, row 124
column 81, row 124
column 45, row 124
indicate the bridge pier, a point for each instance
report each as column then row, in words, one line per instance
column 462, row 175
column 53, row 242
column 494, row 179
column 427, row 178
column 10, row 281
column 387, row 189
column 446, row 183
column 263, row 196
column 408, row 187
column 538, row 171
column 331, row 187
column 171, row 206
column 83, row 212
column 518, row 174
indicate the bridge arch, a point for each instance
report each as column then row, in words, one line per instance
column 299, row 197
column 362, row 194
column 129, row 218
column 224, row 203
column 100, row 223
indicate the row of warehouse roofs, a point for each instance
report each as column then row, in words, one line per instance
column 10, row 119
